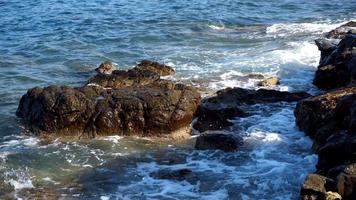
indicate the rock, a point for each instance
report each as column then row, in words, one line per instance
column 178, row 175
column 273, row 81
column 221, row 141
column 120, row 79
column 346, row 182
column 315, row 187
column 214, row 112
column 255, row 76
column 340, row 32
column 326, row 47
column 334, row 110
column 339, row 148
column 337, row 67
column 160, row 69
column 332, row 196
column 134, row 102
column 106, row 67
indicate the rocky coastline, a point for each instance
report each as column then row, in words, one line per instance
column 330, row 118
column 140, row 102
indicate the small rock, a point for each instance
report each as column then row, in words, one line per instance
column 315, row 187
column 273, row 81
column 333, row 196
column 221, row 141
column 160, row 69
column 106, row 67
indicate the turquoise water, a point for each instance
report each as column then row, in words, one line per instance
column 211, row 44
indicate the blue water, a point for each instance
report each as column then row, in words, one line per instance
column 211, row 44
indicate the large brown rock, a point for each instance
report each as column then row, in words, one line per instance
column 134, row 102
column 214, row 112
column 328, row 112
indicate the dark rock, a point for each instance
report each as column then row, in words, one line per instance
column 134, row 102
column 337, row 65
column 106, row 67
column 214, row 112
column 326, row 47
column 179, row 175
column 339, row 149
column 315, row 187
column 340, row 32
column 272, row 81
column 221, row 141
column 346, row 182
column 160, row 69
column 121, row 79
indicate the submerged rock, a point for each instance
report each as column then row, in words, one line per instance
column 178, row 175
column 134, row 102
column 214, row 112
column 221, row 141
column 337, row 65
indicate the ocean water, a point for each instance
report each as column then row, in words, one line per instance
column 212, row 45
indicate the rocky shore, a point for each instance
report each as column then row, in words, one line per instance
column 140, row 102
column 330, row 118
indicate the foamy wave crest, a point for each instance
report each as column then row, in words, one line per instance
column 283, row 29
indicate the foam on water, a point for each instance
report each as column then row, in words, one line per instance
column 289, row 29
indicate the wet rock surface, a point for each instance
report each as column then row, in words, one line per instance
column 337, row 67
column 133, row 102
column 272, row 81
column 330, row 118
column 315, row 187
column 221, row 141
column 214, row 112
column 341, row 31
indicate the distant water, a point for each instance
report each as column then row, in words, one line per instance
column 211, row 44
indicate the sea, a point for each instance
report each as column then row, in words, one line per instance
column 212, row 44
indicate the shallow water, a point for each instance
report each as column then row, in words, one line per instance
column 211, row 44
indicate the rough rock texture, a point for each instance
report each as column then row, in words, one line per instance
column 340, row 32
column 337, row 65
column 160, row 69
column 346, row 182
column 214, row 112
column 315, row 187
column 330, row 119
column 125, row 103
column 221, row 141
column 272, row 81
column 106, row 67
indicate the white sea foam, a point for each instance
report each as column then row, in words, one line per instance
column 288, row 29
column 18, row 178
